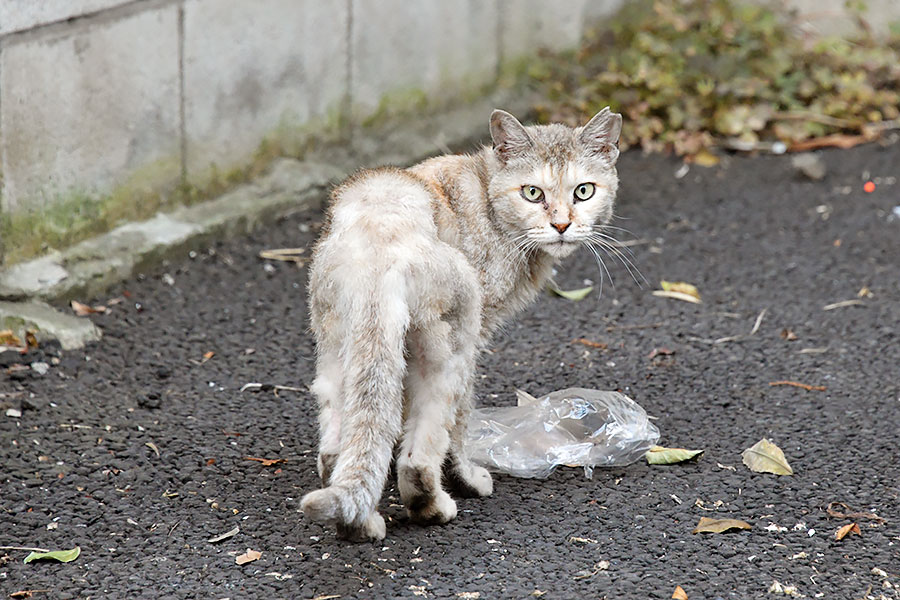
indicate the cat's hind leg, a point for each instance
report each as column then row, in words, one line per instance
column 327, row 389
column 371, row 410
column 434, row 376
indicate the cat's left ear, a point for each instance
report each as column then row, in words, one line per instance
column 509, row 136
column 601, row 135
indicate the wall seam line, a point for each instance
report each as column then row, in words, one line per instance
column 182, row 121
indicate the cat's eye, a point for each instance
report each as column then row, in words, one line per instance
column 583, row 191
column 532, row 193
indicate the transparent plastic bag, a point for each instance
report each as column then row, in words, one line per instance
column 573, row 427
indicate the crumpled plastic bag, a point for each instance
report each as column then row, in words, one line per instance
column 573, row 427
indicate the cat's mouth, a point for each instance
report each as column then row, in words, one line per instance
column 559, row 248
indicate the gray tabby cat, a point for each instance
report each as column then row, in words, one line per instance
column 415, row 271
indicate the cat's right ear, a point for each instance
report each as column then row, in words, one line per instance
column 509, row 136
column 601, row 135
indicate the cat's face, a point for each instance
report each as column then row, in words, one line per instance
column 555, row 185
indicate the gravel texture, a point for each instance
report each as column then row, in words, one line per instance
column 135, row 448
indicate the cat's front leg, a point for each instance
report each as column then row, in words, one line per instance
column 463, row 477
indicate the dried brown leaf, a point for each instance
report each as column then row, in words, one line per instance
column 83, row 310
column 709, row 525
column 8, row 338
column 266, row 462
column 846, row 530
column 590, row 344
column 679, row 593
column 787, row 334
column 248, row 556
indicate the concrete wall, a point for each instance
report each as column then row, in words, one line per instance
column 124, row 98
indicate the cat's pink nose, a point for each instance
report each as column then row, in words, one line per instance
column 561, row 227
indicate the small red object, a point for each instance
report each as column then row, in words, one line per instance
column 869, row 187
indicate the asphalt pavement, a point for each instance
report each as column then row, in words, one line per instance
column 142, row 447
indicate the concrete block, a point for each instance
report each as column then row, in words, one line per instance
column 90, row 108
column 21, row 15
column 251, row 68
column 531, row 25
column 71, row 331
column 440, row 48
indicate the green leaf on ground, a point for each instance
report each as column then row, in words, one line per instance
column 60, row 555
column 766, row 457
column 573, row 295
column 657, row 455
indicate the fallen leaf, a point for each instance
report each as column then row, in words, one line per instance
column 27, row 593
column 680, row 286
column 838, row 140
column 83, row 310
column 266, row 462
column 8, row 338
column 660, row 352
column 787, row 334
column 766, row 457
column 248, row 556
column 60, row 555
column 573, row 295
column 843, row 304
column 676, row 296
column 852, row 514
column 705, row 158
column 658, row 455
column 679, row 593
column 590, row 344
column 208, row 355
column 864, row 292
column 30, row 339
column 846, row 530
column 805, row 386
column 708, row 525
column 284, row 254
column 228, row 534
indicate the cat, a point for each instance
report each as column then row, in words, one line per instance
column 414, row 271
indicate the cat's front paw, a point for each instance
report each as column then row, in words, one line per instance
column 468, row 480
column 481, row 481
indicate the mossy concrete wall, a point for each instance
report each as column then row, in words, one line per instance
column 113, row 109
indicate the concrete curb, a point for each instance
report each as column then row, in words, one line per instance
column 91, row 267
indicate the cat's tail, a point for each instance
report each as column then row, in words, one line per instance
column 372, row 412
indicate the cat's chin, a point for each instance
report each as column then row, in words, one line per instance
column 559, row 249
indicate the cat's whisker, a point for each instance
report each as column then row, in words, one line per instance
column 601, row 266
column 629, row 266
column 601, row 228
column 615, row 243
column 515, row 248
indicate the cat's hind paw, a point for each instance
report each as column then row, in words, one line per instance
column 322, row 505
column 432, row 510
column 372, row 530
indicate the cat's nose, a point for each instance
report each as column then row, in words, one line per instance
column 561, row 227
